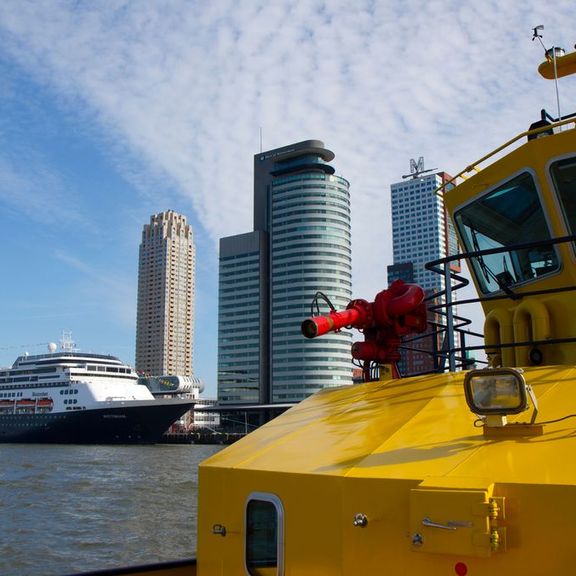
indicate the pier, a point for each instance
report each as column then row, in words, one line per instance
column 201, row 437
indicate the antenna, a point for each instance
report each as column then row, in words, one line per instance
column 260, row 139
column 539, row 36
column 66, row 343
column 550, row 54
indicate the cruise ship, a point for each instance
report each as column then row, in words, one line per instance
column 69, row 396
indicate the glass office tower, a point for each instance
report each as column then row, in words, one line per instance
column 242, row 350
column 302, row 218
column 421, row 233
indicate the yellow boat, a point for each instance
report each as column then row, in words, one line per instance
column 467, row 472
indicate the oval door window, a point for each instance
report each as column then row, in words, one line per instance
column 264, row 535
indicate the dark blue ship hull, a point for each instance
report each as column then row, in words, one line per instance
column 140, row 423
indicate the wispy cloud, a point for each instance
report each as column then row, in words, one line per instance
column 185, row 87
column 108, row 289
column 32, row 188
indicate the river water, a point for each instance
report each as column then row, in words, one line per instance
column 68, row 509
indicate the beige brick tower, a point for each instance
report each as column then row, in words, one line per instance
column 165, row 317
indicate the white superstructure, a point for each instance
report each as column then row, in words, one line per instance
column 71, row 380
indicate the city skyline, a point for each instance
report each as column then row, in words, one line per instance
column 115, row 111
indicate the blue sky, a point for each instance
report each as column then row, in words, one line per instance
column 114, row 110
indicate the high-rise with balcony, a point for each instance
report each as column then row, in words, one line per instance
column 300, row 245
column 165, row 315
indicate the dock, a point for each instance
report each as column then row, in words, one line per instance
column 201, row 437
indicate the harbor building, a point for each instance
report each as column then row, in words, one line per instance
column 301, row 244
column 184, row 386
column 165, row 314
column 421, row 232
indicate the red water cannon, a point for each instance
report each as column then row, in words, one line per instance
column 395, row 312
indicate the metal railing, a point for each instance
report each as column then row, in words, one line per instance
column 448, row 340
column 531, row 133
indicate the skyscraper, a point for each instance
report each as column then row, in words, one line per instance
column 421, row 232
column 243, row 349
column 268, row 278
column 165, row 316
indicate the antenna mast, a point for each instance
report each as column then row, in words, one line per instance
column 66, row 342
column 550, row 54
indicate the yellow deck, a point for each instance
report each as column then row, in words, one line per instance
column 367, row 449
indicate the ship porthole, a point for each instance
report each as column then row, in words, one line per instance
column 264, row 535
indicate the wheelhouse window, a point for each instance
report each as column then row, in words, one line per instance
column 264, row 535
column 564, row 178
column 509, row 215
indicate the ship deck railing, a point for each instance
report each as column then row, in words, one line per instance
column 547, row 125
column 448, row 339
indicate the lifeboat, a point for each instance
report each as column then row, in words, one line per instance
column 27, row 402
column 45, row 402
column 6, row 406
column 26, row 406
column 44, row 405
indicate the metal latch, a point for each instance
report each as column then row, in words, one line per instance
column 456, row 516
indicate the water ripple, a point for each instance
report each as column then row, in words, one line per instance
column 72, row 509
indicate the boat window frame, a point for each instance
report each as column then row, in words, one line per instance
column 463, row 238
column 558, row 204
column 275, row 500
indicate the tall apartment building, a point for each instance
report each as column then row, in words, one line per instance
column 300, row 245
column 421, row 232
column 165, row 316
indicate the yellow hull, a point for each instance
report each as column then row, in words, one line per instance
column 400, row 453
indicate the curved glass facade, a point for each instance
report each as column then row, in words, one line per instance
column 268, row 278
column 310, row 252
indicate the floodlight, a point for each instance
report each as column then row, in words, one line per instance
column 497, row 392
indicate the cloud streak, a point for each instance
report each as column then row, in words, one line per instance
column 189, row 87
column 30, row 186
column 102, row 289
column 180, row 90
